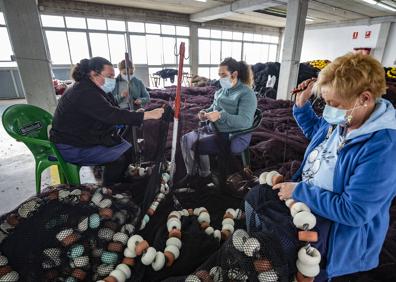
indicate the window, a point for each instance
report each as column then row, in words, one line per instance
column 116, row 25
column 57, row 44
column 169, row 44
column 99, row 46
column 203, row 32
column 168, row 29
column 152, row 28
column 154, row 49
column 187, row 50
column 138, row 47
column 76, row 38
column 248, row 36
column 205, row 72
column 183, row 30
column 96, row 24
column 272, row 53
column 227, row 35
column 204, row 51
column 215, row 49
column 215, row 34
column 257, row 37
column 117, row 47
column 78, row 46
column 5, row 50
column 225, row 44
column 237, row 35
column 237, row 50
column 226, row 49
column 2, row 20
column 136, row 27
column 73, row 22
column 52, row 21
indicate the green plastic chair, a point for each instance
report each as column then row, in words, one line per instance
column 245, row 155
column 29, row 124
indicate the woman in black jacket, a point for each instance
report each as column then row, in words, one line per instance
column 84, row 126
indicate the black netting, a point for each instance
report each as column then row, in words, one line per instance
column 63, row 234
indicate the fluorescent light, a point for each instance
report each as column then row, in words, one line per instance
column 373, row 2
column 386, row 7
column 201, row 0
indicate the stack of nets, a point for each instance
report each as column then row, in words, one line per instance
column 67, row 234
column 244, row 257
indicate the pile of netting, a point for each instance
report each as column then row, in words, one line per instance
column 66, row 234
column 244, row 257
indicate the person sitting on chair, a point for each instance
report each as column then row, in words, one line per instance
column 84, row 125
column 137, row 96
column 232, row 110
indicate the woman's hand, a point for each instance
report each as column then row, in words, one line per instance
column 124, row 94
column 202, row 115
column 138, row 102
column 285, row 190
column 154, row 114
column 306, row 91
column 213, row 116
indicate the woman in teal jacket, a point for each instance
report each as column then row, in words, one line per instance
column 137, row 96
column 232, row 110
column 348, row 173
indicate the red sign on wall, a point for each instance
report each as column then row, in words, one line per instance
column 355, row 35
column 367, row 34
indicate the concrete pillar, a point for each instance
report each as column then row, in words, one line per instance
column 294, row 34
column 24, row 28
column 194, row 48
column 383, row 34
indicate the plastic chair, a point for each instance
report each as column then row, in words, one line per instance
column 29, row 124
column 245, row 155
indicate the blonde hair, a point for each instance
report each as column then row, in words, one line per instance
column 352, row 74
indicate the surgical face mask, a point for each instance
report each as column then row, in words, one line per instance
column 125, row 77
column 334, row 115
column 225, row 82
column 338, row 116
column 108, row 85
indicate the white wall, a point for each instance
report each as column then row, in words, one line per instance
column 390, row 49
column 330, row 43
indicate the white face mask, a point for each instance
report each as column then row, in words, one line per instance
column 225, row 82
column 125, row 77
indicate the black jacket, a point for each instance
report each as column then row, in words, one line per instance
column 86, row 117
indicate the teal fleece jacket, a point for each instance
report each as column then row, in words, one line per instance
column 236, row 105
column 137, row 91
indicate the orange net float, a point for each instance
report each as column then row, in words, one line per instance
column 308, row 236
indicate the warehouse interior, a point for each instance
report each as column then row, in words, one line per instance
column 285, row 44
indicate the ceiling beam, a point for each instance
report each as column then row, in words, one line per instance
column 366, row 21
column 239, row 6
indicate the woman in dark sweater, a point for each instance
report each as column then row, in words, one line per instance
column 84, row 126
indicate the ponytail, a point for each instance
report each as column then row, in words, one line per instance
column 245, row 74
column 85, row 66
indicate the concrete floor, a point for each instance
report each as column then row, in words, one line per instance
column 17, row 182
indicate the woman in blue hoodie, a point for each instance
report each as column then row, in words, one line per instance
column 347, row 177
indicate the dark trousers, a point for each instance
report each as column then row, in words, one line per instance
column 114, row 172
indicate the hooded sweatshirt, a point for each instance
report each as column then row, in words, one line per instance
column 364, row 184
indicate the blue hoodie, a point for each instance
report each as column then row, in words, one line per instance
column 364, row 185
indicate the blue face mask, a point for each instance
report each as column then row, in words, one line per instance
column 334, row 115
column 108, row 85
column 225, row 82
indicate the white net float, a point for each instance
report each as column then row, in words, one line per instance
column 159, row 261
column 304, row 220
